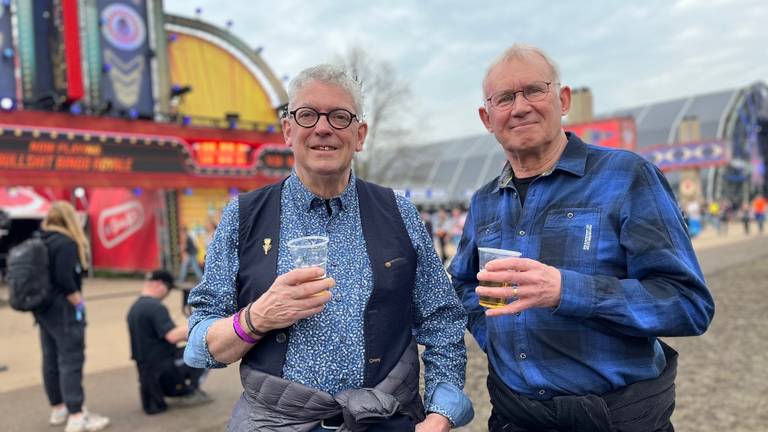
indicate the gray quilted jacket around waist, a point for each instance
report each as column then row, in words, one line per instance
column 270, row 403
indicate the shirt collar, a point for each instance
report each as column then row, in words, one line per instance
column 305, row 199
column 572, row 160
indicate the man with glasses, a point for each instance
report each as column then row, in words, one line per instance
column 333, row 348
column 607, row 267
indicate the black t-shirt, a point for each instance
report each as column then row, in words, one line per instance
column 521, row 184
column 148, row 322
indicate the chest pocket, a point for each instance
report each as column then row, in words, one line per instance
column 570, row 237
column 489, row 235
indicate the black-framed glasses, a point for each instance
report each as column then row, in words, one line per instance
column 533, row 92
column 338, row 118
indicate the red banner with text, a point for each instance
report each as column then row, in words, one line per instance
column 124, row 229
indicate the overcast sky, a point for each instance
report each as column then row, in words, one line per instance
column 628, row 53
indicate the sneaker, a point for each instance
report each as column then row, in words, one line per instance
column 58, row 416
column 88, row 422
column 197, row 397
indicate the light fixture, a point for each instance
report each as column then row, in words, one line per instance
column 180, row 90
column 232, row 119
column 6, row 103
column 76, row 108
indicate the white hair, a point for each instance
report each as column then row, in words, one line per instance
column 328, row 74
column 520, row 51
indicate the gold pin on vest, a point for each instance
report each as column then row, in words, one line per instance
column 267, row 245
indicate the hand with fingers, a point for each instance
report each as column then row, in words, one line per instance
column 529, row 282
column 293, row 296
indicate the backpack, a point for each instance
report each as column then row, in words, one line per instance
column 28, row 276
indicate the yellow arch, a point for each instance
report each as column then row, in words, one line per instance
column 220, row 82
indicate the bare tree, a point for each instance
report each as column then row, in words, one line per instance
column 386, row 99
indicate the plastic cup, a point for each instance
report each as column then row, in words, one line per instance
column 310, row 251
column 487, row 255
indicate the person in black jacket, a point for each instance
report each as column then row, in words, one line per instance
column 62, row 323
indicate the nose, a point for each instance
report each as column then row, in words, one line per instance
column 323, row 126
column 520, row 107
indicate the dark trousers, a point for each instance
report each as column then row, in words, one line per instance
column 166, row 377
column 645, row 406
column 62, row 339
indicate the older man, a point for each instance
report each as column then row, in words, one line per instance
column 607, row 267
column 322, row 353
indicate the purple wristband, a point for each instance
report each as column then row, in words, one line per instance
column 245, row 337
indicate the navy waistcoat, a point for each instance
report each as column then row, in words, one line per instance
column 388, row 318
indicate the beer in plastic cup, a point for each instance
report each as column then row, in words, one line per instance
column 487, row 255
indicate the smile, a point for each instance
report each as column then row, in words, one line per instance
column 323, row 148
column 523, row 125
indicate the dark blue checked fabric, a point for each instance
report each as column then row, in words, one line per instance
column 609, row 222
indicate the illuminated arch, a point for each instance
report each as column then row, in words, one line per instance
column 226, row 76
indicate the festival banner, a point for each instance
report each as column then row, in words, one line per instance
column 124, row 229
column 7, row 58
column 38, row 43
column 125, row 54
column 615, row 132
column 701, row 154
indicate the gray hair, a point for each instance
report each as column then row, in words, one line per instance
column 328, row 74
column 520, row 51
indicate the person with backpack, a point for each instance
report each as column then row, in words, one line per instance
column 62, row 321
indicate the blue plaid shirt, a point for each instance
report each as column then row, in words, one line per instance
column 608, row 221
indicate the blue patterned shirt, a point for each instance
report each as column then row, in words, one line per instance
column 326, row 351
column 608, row 221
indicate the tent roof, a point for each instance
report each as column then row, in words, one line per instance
column 23, row 203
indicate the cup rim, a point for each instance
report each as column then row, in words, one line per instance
column 320, row 241
column 502, row 252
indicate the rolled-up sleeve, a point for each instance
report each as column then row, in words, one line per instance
column 215, row 297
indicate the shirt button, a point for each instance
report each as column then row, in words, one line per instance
column 570, row 215
column 523, row 356
column 337, row 297
column 342, row 339
column 521, row 233
column 281, row 338
column 518, row 313
column 542, row 392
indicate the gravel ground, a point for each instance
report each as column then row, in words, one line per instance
column 722, row 379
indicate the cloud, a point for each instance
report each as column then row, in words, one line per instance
column 628, row 53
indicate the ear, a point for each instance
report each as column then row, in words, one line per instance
column 362, row 132
column 485, row 117
column 565, row 100
column 286, row 126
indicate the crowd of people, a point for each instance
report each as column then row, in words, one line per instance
column 445, row 228
column 718, row 215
